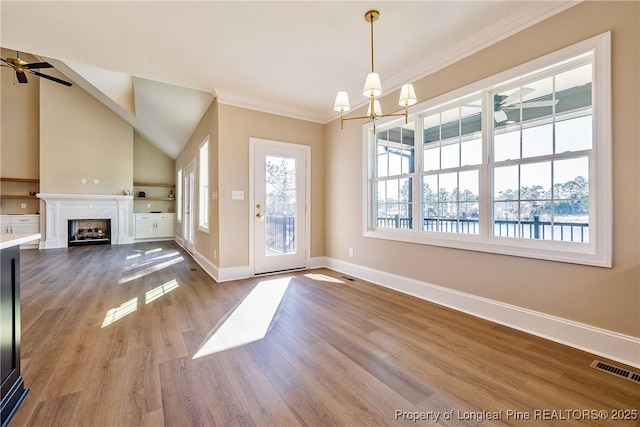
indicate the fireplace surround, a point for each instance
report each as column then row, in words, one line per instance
column 60, row 208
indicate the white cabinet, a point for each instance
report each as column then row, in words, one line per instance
column 21, row 224
column 155, row 226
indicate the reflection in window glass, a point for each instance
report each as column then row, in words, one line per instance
column 452, row 143
column 395, row 150
column 537, row 140
column 547, row 119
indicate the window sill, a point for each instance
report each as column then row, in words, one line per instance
column 574, row 253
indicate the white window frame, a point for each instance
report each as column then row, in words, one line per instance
column 203, row 186
column 598, row 252
column 179, row 196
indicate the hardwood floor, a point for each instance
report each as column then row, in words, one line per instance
column 110, row 334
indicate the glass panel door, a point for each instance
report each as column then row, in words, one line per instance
column 279, row 207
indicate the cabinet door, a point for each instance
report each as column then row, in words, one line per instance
column 164, row 229
column 5, row 225
column 18, row 228
column 145, row 229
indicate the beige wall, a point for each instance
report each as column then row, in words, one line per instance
column 151, row 166
column 19, row 137
column 237, row 125
column 20, row 130
column 207, row 244
column 81, row 138
column 606, row 298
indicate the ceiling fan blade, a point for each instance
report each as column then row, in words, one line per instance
column 5, row 61
column 534, row 104
column 518, row 95
column 22, row 77
column 500, row 116
column 37, row 65
column 54, row 79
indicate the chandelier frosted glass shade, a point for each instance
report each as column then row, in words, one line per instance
column 342, row 102
column 372, row 85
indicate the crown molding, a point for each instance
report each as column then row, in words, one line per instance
column 231, row 98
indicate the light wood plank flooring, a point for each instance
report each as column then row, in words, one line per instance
column 109, row 335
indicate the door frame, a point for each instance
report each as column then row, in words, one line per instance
column 253, row 142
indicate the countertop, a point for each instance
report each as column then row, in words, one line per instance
column 9, row 240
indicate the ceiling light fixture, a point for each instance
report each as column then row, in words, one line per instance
column 373, row 88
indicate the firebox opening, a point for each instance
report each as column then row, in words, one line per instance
column 89, row 232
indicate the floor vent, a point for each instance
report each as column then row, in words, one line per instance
column 348, row 278
column 618, row 372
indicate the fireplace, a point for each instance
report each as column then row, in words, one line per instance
column 89, row 231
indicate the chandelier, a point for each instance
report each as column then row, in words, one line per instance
column 373, row 88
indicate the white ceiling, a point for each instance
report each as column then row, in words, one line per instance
column 159, row 63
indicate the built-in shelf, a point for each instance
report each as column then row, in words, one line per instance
column 164, row 199
column 152, row 184
column 17, row 196
column 31, row 180
column 19, row 180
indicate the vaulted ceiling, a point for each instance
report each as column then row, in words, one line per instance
column 160, row 63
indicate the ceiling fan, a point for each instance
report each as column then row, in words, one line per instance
column 22, row 68
column 514, row 101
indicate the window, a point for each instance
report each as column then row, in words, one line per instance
column 517, row 164
column 542, row 147
column 179, row 196
column 451, row 158
column 393, row 183
column 203, row 179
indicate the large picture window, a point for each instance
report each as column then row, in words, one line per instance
column 518, row 163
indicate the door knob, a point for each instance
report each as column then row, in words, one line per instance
column 259, row 215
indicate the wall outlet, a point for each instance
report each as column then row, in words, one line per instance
column 215, row 254
column 350, row 252
column 83, row 180
column 148, row 205
column 23, row 205
column 237, row 195
column 95, row 181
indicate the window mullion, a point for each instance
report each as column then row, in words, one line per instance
column 485, row 195
column 418, row 140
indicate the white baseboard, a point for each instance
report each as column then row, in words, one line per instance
column 235, row 273
column 210, row 268
column 602, row 342
column 218, row 274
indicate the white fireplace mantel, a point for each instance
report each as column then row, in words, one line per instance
column 59, row 208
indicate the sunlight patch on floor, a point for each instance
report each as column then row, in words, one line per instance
column 117, row 313
column 322, row 278
column 142, row 263
column 159, row 291
column 150, row 270
column 250, row 320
